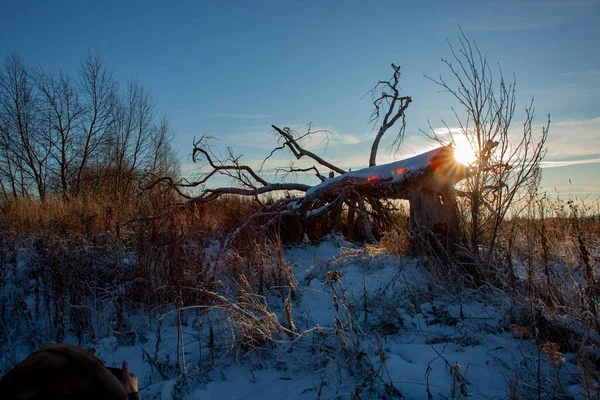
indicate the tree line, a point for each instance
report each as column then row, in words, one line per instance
column 64, row 135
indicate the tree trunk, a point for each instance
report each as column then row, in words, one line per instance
column 434, row 218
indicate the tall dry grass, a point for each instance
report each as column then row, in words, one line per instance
column 547, row 263
column 66, row 271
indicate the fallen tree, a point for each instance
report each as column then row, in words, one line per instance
column 426, row 180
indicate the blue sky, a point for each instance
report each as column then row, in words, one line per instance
column 232, row 68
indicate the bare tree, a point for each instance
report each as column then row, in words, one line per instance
column 60, row 112
column 27, row 150
column 59, row 136
column 162, row 162
column 8, row 163
column 163, row 158
column 98, row 96
column 389, row 104
column 507, row 162
column 130, row 136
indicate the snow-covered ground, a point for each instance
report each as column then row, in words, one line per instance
column 369, row 326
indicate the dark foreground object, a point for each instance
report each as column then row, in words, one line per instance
column 61, row 371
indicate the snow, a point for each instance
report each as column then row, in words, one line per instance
column 421, row 340
column 384, row 328
column 395, row 171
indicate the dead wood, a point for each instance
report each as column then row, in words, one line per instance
column 425, row 180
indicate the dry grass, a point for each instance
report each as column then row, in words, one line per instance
column 85, row 215
column 547, row 262
column 91, row 279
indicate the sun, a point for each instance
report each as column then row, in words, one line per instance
column 463, row 152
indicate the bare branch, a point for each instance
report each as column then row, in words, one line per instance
column 200, row 147
column 292, row 170
column 298, row 151
column 392, row 106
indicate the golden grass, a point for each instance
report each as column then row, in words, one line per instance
column 81, row 215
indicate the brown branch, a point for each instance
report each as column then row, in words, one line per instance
column 209, row 195
column 291, row 169
column 234, row 167
column 299, row 152
column 169, row 183
column 396, row 106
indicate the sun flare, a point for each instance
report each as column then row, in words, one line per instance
column 463, row 152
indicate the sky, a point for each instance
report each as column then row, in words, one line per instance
column 231, row 69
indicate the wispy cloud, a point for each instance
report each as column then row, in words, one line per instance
column 515, row 15
column 240, row 115
column 554, row 164
column 325, row 138
column 446, row 133
column 322, row 141
column 570, row 3
column 582, row 73
column 516, row 23
column 507, row 16
column 574, row 139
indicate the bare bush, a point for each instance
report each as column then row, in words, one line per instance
column 507, row 164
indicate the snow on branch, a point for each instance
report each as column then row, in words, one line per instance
column 435, row 170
